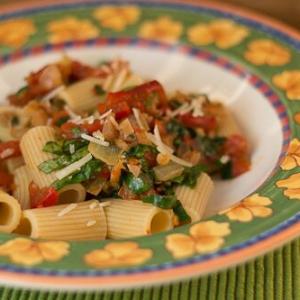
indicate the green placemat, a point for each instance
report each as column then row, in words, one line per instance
column 273, row 276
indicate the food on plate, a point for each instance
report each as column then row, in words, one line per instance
column 98, row 152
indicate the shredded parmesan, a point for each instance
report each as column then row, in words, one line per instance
column 91, row 223
column 224, row 159
column 72, row 148
column 180, row 109
column 94, row 140
column 6, row 153
column 164, row 149
column 67, row 209
column 53, row 93
column 106, row 114
column 73, row 167
column 98, row 135
column 103, row 204
column 74, row 117
column 114, row 122
column 93, row 205
column 139, row 120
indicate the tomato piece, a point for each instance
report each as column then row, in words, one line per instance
column 44, row 197
column 68, row 130
column 105, row 173
column 148, row 97
column 90, row 128
column 207, row 123
column 6, row 180
column 240, row 165
column 59, row 118
column 10, row 149
column 236, row 145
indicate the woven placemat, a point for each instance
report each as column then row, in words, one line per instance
column 273, row 276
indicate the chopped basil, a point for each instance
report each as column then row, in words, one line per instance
column 76, row 132
column 62, row 161
column 85, row 173
column 189, row 176
column 210, row 147
column 62, row 121
column 99, row 90
column 63, row 146
column 54, row 147
column 22, row 90
column 140, row 184
column 139, row 150
column 169, row 202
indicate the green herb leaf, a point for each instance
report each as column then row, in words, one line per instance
column 62, row 161
column 62, row 121
column 180, row 212
column 86, row 172
column 138, row 185
column 210, row 146
column 54, row 147
column 164, row 202
column 189, row 176
column 139, row 150
column 99, row 90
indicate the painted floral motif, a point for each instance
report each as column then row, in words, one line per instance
column 204, row 237
column 27, row 252
column 291, row 185
column 15, row 33
column 292, row 158
column 70, row 28
column 249, row 208
column 117, row 17
column 289, row 81
column 223, row 33
column 118, row 254
column 267, row 52
column 162, row 29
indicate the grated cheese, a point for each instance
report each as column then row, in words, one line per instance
column 6, row 153
column 94, row 140
column 91, row 223
column 114, row 122
column 179, row 110
column 93, row 205
column 224, row 159
column 106, row 114
column 138, row 118
column 99, row 135
column 72, row 148
column 53, row 93
column 164, row 149
column 73, row 167
column 67, row 209
column 74, row 117
column 103, row 204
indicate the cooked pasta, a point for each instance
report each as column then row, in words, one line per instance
column 77, row 132
column 22, row 178
column 31, row 145
column 10, row 213
column 76, row 221
column 194, row 200
column 129, row 218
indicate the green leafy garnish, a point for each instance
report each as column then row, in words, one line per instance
column 86, row 172
column 62, row 121
column 63, row 146
column 169, row 202
column 62, row 161
column 210, row 147
column 189, row 176
column 54, row 147
column 140, row 150
column 99, row 90
column 138, row 185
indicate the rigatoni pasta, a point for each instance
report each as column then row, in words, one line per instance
column 10, row 213
column 128, row 218
column 77, row 221
column 118, row 139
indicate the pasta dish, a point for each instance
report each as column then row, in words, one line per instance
column 98, row 152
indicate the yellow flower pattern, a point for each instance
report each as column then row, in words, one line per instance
column 117, row 17
column 70, row 28
column 118, row 254
column 163, row 29
column 267, row 52
column 223, row 33
column 291, row 185
column 249, row 208
column 289, row 81
column 292, row 158
column 15, row 33
column 203, row 237
column 27, row 252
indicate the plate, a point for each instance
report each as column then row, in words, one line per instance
column 250, row 62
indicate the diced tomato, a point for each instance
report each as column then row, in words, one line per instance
column 6, row 180
column 240, row 165
column 90, row 128
column 9, row 149
column 80, row 71
column 105, row 173
column 59, row 117
column 67, row 130
column 44, row 197
column 236, row 145
column 148, row 97
column 207, row 123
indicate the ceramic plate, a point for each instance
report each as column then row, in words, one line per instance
column 249, row 62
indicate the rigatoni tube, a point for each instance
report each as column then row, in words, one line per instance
column 194, row 200
column 32, row 144
column 10, row 213
column 76, row 221
column 23, row 178
column 130, row 218
column 72, row 193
